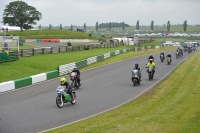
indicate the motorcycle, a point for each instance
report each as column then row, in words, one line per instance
column 151, row 73
column 185, row 49
column 135, row 77
column 189, row 50
column 162, row 58
column 74, row 79
column 177, row 54
column 194, row 48
column 169, row 60
column 63, row 97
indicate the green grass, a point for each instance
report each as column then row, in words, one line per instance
column 27, row 66
column 51, row 34
column 171, row 107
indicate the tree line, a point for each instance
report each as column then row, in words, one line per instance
column 19, row 13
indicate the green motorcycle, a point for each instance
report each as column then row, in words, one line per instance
column 63, row 97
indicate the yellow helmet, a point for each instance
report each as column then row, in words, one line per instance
column 62, row 80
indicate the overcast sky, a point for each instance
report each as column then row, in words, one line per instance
column 78, row 12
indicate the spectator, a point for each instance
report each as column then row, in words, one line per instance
column 101, row 42
column 6, row 46
column 69, row 43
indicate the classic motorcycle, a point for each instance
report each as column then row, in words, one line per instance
column 185, row 49
column 194, row 48
column 63, row 97
column 177, row 54
column 189, row 50
column 74, row 79
column 169, row 60
column 135, row 77
column 151, row 73
column 162, row 58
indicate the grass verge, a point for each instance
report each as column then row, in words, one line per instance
column 172, row 106
column 33, row 65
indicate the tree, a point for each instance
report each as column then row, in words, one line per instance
column 60, row 26
column 168, row 26
column 71, row 28
column 84, row 27
column 19, row 13
column 110, row 26
column 97, row 26
column 113, row 24
column 137, row 25
column 152, row 25
column 50, row 26
column 185, row 25
column 123, row 27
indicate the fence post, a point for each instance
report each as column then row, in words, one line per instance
column 42, row 50
column 66, row 48
column 72, row 48
column 33, row 51
column 59, row 49
column 22, row 52
column 52, row 50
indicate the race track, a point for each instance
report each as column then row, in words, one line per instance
column 33, row 109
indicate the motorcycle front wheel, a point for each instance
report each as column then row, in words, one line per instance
column 74, row 100
column 134, row 82
column 59, row 101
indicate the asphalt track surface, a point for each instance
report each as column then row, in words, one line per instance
column 33, row 109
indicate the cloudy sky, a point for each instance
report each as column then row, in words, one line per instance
column 78, row 12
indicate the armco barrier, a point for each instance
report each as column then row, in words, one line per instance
column 107, row 55
column 112, row 53
column 100, row 58
column 81, row 64
column 117, row 52
column 91, row 60
column 67, row 68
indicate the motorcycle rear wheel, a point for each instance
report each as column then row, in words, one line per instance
column 73, row 101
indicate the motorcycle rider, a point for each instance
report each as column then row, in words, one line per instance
column 68, row 90
column 151, row 57
column 78, row 75
column 181, row 51
column 169, row 56
column 152, row 65
column 137, row 67
column 162, row 53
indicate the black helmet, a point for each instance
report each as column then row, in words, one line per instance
column 136, row 65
